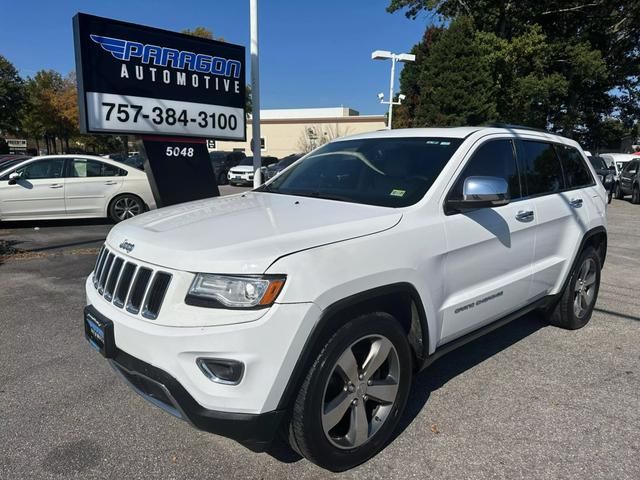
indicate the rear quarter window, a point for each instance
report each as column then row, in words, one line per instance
column 576, row 173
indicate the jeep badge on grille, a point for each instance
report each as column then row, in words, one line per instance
column 127, row 246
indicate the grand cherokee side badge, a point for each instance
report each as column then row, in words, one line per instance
column 127, row 246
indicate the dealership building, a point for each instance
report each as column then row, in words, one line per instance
column 293, row 130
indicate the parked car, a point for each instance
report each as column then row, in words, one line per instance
column 605, row 173
column 630, row 181
column 283, row 163
column 242, row 174
column 618, row 161
column 135, row 161
column 223, row 161
column 72, row 186
column 323, row 292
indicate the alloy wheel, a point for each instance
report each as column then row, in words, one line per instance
column 126, row 207
column 585, row 288
column 360, row 392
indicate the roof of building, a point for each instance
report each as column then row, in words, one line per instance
column 295, row 113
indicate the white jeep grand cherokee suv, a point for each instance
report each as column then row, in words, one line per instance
column 307, row 305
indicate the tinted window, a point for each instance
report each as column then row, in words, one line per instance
column 393, row 172
column 493, row 159
column 49, row 168
column 92, row 168
column 631, row 168
column 576, row 173
column 541, row 168
column 598, row 163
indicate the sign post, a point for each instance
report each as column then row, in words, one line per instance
column 169, row 88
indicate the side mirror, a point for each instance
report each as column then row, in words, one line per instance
column 14, row 177
column 482, row 192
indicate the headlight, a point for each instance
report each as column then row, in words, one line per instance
column 224, row 291
column 609, row 178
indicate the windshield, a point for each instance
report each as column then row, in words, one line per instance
column 246, row 161
column 10, row 163
column 391, row 172
column 598, row 163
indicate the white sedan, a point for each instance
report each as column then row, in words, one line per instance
column 73, row 186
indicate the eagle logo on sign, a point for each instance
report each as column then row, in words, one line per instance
column 115, row 46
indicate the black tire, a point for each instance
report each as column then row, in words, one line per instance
column 222, row 178
column 306, row 432
column 564, row 313
column 610, row 196
column 619, row 195
column 635, row 195
column 125, row 206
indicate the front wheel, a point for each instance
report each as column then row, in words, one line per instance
column 125, row 206
column 222, row 179
column 635, row 195
column 575, row 307
column 354, row 394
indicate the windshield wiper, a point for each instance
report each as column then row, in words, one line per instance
column 325, row 196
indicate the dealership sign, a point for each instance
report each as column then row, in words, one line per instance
column 140, row 80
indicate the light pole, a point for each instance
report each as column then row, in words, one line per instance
column 255, row 96
column 399, row 57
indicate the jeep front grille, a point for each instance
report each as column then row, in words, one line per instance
column 138, row 289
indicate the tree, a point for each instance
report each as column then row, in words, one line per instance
column 457, row 86
column 405, row 115
column 314, row 136
column 11, row 96
column 567, row 64
column 202, row 32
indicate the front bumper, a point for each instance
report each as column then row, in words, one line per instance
column 254, row 431
column 240, row 177
column 159, row 362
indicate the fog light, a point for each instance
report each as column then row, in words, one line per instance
column 227, row 372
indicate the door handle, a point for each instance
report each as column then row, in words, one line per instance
column 110, row 182
column 55, row 185
column 576, row 202
column 524, row 215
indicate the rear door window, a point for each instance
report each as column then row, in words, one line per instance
column 576, row 173
column 542, row 168
column 84, row 168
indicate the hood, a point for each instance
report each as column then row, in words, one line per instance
column 242, row 168
column 244, row 233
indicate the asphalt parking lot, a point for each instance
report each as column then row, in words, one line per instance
column 526, row 401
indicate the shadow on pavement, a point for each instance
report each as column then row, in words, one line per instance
column 463, row 359
column 618, row 314
column 56, row 223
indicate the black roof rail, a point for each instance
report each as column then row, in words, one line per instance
column 519, row 127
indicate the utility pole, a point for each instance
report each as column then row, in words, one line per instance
column 255, row 96
column 401, row 57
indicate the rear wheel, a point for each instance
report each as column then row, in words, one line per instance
column 576, row 305
column 125, row 206
column 354, row 394
column 635, row 195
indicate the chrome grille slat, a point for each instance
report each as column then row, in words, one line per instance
column 99, row 265
column 155, row 295
column 137, row 288
column 110, row 285
column 124, row 284
column 105, row 272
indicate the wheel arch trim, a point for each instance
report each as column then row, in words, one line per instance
column 331, row 319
